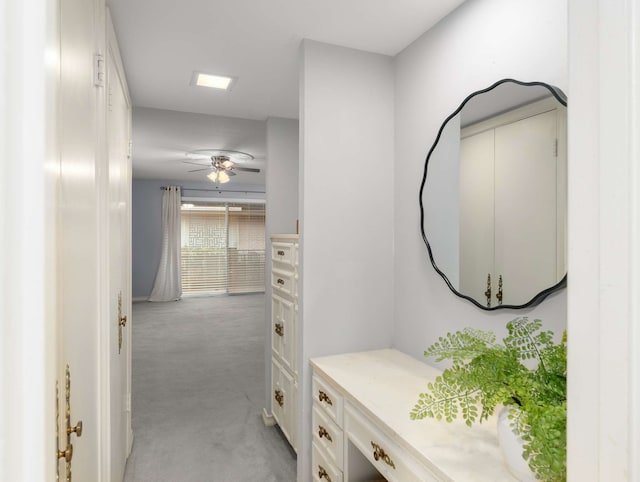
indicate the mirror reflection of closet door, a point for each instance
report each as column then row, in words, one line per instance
column 508, row 209
column 476, row 213
column 525, row 206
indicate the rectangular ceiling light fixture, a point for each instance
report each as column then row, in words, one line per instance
column 211, row 80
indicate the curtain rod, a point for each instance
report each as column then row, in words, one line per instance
column 164, row 188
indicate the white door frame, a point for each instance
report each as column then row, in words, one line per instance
column 28, row 175
column 603, row 294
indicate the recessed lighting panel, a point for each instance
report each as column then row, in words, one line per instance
column 211, row 80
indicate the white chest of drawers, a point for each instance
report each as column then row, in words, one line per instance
column 363, row 400
column 284, row 309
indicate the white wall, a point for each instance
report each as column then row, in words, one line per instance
column 481, row 42
column 283, row 154
column 346, row 199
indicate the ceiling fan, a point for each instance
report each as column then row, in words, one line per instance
column 221, row 163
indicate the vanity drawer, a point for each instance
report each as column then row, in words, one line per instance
column 328, row 398
column 392, row 462
column 322, row 469
column 327, row 434
column 284, row 281
column 285, row 253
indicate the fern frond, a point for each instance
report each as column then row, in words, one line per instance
column 524, row 339
column 445, row 399
column 461, row 345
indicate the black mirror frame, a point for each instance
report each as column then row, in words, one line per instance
column 560, row 97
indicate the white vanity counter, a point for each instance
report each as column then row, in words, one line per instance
column 378, row 389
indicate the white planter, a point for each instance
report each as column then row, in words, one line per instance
column 511, row 446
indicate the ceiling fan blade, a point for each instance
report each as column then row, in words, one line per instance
column 204, row 163
column 204, row 169
column 246, row 169
column 230, row 173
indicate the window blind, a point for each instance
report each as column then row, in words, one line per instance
column 223, row 248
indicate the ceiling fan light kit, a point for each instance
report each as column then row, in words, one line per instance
column 221, row 163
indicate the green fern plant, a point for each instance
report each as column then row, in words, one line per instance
column 485, row 374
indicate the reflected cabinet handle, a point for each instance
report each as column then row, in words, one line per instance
column 499, row 293
column 280, row 281
column 280, row 253
column 488, row 292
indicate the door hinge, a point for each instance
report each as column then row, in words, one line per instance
column 99, row 71
column 130, row 150
column 127, row 402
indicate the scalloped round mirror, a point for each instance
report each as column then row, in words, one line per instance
column 493, row 198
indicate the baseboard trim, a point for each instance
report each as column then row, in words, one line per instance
column 139, row 298
column 267, row 419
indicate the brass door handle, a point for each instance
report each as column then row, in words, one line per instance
column 67, row 454
column 77, row 429
column 322, row 473
column 323, row 397
column 122, row 321
column 279, row 396
column 279, row 329
column 280, row 281
column 280, row 253
column 380, row 454
column 322, row 432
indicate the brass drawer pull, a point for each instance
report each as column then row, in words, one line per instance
column 322, row 473
column 380, row 454
column 323, row 397
column 322, row 432
column 279, row 396
column 280, row 281
column 279, row 329
column 280, row 253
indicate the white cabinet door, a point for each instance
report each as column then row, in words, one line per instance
column 283, row 331
column 284, row 401
column 119, row 265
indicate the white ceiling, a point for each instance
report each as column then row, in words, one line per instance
column 163, row 41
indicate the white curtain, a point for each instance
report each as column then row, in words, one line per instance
column 168, row 283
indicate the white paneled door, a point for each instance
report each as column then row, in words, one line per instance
column 94, row 233
column 80, row 222
column 118, row 112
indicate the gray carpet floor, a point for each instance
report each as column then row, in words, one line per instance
column 198, row 393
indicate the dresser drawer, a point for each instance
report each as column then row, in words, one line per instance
column 327, row 435
column 284, row 282
column 285, row 253
column 322, row 470
column 327, row 398
column 387, row 457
